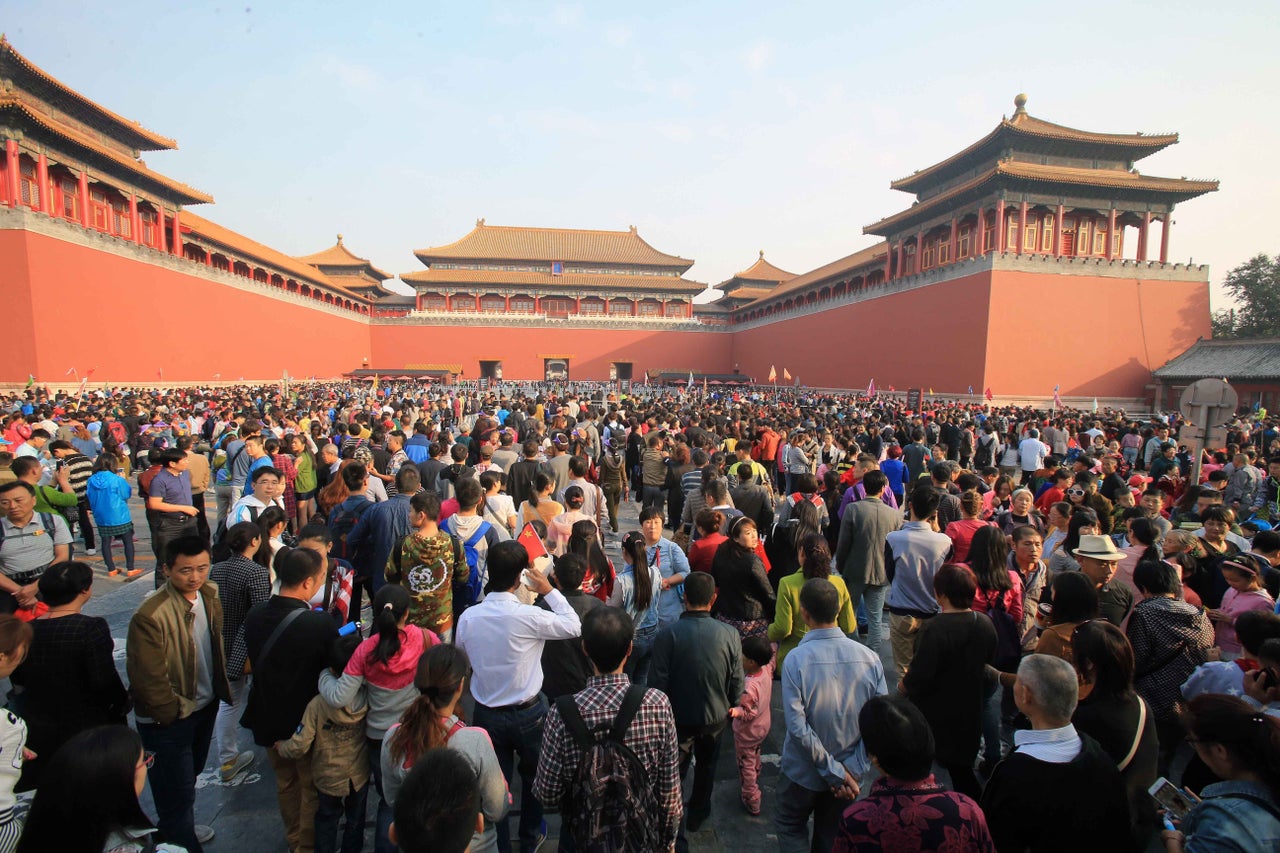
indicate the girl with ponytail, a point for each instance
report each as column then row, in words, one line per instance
column 636, row 589
column 384, row 664
column 434, row 720
column 584, row 540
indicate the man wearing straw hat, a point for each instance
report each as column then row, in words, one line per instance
column 1098, row 557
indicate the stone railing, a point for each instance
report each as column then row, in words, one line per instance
column 502, row 318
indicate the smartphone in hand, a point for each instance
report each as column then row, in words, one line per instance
column 1176, row 801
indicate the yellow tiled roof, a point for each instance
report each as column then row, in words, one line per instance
column 506, row 278
column 150, row 141
column 339, row 255
column 185, row 194
column 868, row 257
column 502, row 242
column 1113, row 178
column 1025, row 124
column 243, row 245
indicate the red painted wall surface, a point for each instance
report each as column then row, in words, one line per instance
column 520, row 349
column 17, row 343
column 89, row 308
column 930, row 337
column 1103, row 338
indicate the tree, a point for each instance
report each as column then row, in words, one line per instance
column 1255, row 288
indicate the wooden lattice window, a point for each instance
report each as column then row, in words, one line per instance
column 28, row 186
column 70, row 198
column 99, row 209
column 522, row 304
column 620, row 307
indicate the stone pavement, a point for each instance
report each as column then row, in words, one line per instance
column 244, row 814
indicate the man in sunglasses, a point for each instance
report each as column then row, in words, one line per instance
column 1084, row 491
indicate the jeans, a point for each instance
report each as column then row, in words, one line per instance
column 872, row 597
column 641, row 655
column 227, row 728
column 329, row 809
column 181, row 749
column 381, row 836
column 127, row 540
column 86, row 527
column 1130, row 455
column 795, row 804
column 223, row 495
column 517, row 737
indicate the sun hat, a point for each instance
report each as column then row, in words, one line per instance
column 1098, row 547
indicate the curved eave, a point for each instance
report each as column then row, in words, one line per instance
column 474, row 279
column 1133, row 146
column 180, row 191
column 150, row 140
column 869, row 258
column 469, row 248
column 1172, row 190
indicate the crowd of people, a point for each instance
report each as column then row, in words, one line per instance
column 428, row 596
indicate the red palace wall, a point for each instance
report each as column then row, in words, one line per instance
column 1102, row 338
column 72, row 306
column 1017, row 332
column 911, row 339
column 520, row 349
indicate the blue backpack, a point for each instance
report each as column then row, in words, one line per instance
column 475, row 583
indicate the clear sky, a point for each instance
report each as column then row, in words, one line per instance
column 717, row 128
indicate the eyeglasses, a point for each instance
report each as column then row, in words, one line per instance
column 148, row 759
column 1076, row 493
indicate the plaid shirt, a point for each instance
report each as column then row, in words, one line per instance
column 651, row 736
column 242, row 583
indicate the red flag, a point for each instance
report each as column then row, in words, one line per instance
column 71, row 371
column 987, row 393
column 871, row 388
column 91, row 370
column 786, row 375
column 532, row 542
column 773, row 374
column 160, row 374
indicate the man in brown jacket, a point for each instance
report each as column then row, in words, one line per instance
column 177, row 674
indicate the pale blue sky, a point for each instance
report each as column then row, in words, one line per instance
column 716, row 128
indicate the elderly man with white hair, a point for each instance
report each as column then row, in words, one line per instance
column 1058, row 789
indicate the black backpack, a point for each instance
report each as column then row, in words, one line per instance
column 1008, row 637
column 984, row 454
column 610, row 804
column 221, row 551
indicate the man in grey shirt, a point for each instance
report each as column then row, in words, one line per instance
column 860, row 552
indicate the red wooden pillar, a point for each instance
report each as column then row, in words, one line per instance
column 177, row 233
column 448, row 302
column 417, row 301
column 11, row 167
column 688, row 309
column 1002, row 227
column 1164, row 238
column 635, row 307
column 1143, row 235
column 919, row 267
column 84, row 197
column 477, row 303
column 577, row 304
column 1022, row 228
column 888, row 262
column 537, row 304
column 134, row 223
column 1057, row 231
column 902, row 254
column 208, row 258
column 1111, row 233
column 42, row 181
column 980, row 232
column 955, row 239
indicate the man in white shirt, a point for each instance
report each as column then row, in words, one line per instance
column 1031, row 454
column 504, row 640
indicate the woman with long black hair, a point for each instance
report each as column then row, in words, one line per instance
column 88, row 800
column 433, row 720
column 744, row 597
column 584, row 540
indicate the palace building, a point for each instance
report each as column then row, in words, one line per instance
column 106, row 266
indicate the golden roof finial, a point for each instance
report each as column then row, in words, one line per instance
column 762, row 254
column 480, row 222
column 339, row 239
column 633, row 229
column 1020, row 103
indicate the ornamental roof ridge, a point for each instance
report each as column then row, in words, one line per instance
column 512, row 242
column 841, row 266
column 1026, row 124
column 189, row 194
column 156, row 140
column 762, row 270
column 338, row 255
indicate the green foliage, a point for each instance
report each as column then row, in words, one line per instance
column 1255, row 288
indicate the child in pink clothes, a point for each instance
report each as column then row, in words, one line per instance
column 752, row 718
